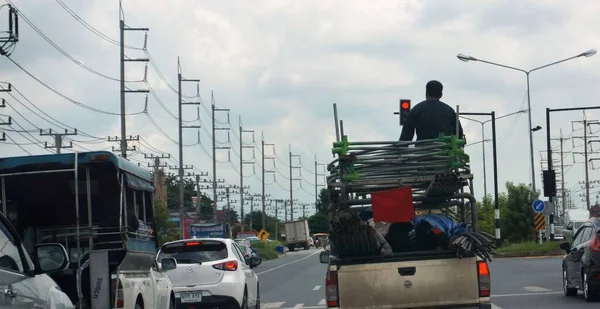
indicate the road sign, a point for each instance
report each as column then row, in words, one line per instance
column 539, row 221
column 263, row 235
column 538, row 206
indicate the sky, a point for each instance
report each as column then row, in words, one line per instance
column 280, row 65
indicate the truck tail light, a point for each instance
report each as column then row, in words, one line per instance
column 483, row 274
column 227, row 266
column 117, row 295
column 331, row 288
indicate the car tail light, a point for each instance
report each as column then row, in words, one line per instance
column 595, row 242
column 192, row 243
column 483, row 274
column 331, row 288
column 228, row 266
column 118, row 291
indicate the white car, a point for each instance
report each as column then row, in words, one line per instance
column 212, row 272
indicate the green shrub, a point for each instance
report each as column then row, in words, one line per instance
column 267, row 252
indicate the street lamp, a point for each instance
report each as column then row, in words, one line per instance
column 467, row 58
column 483, row 140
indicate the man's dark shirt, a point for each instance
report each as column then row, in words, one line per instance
column 430, row 118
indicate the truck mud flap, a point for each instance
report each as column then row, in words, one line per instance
column 99, row 280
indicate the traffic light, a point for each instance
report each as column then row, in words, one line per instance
column 404, row 109
column 549, row 180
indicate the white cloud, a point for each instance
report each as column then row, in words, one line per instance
column 281, row 64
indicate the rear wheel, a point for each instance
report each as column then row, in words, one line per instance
column 589, row 294
column 291, row 248
column 568, row 291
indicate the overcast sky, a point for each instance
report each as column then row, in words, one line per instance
column 281, row 64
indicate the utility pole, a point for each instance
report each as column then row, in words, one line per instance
column 180, row 104
column 586, row 123
column 4, row 123
column 131, row 138
column 214, row 144
column 263, row 144
column 242, row 162
column 198, row 194
column 58, row 139
column 123, row 27
column 160, row 193
column 277, row 219
column 292, row 167
column 561, row 139
column 11, row 36
column 180, row 168
column 317, row 185
column 285, row 210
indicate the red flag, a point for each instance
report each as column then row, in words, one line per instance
column 394, row 205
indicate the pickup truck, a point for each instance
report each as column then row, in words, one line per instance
column 433, row 279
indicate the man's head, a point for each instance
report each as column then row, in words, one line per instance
column 433, row 90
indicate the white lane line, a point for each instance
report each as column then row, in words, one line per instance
column 290, row 263
column 495, row 307
column 272, row 305
column 298, row 306
column 535, row 289
column 526, row 294
column 322, row 302
column 317, row 287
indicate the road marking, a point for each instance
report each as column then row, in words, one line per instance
column 526, row 294
column 495, row 307
column 316, row 287
column 290, row 263
column 298, row 306
column 322, row 302
column 272, row 305
column 535, row 289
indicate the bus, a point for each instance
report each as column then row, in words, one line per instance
column 99, row 206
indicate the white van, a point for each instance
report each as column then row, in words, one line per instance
column 574, row 218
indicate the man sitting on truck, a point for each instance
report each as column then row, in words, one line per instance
column 431, row 117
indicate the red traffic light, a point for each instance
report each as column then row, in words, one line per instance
column 405, row 104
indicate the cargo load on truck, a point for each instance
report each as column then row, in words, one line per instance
column 382, row 254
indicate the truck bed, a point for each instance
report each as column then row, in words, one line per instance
column 414, row 280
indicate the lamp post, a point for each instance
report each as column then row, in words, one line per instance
column 483, row 140
column 586, row 54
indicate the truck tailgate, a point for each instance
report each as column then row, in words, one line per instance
column 409, row 284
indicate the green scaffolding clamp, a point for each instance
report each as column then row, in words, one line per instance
column 458, row 157
column 341, row 148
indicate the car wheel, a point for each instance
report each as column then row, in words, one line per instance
column 171, row 303
column 589, row 294
column 568, row 291
column 257, row 305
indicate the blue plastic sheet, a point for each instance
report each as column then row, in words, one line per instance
column 443, row 223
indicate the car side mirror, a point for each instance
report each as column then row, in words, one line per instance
column 565, row 246
column 254, row 262
column 167, row 264
column 569, row 228
column 324, row 257
column 50, row 258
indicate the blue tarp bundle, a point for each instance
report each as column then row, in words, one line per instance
column 442, row 223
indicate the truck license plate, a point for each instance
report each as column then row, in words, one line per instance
column 191, row 297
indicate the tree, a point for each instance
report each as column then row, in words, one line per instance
column 233, row 216
column 189, row 191
column 324, row 200
column 318, row 223
column 164, row 229
column 517, row 221
column 270, row 223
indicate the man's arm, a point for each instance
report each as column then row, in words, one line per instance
column 408, row 129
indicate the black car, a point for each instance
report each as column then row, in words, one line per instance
column 581, row 265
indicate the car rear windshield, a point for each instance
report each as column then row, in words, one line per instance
column 195, row 251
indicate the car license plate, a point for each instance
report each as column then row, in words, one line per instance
column 191, row 297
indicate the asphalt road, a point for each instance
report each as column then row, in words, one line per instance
column 296, row 281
